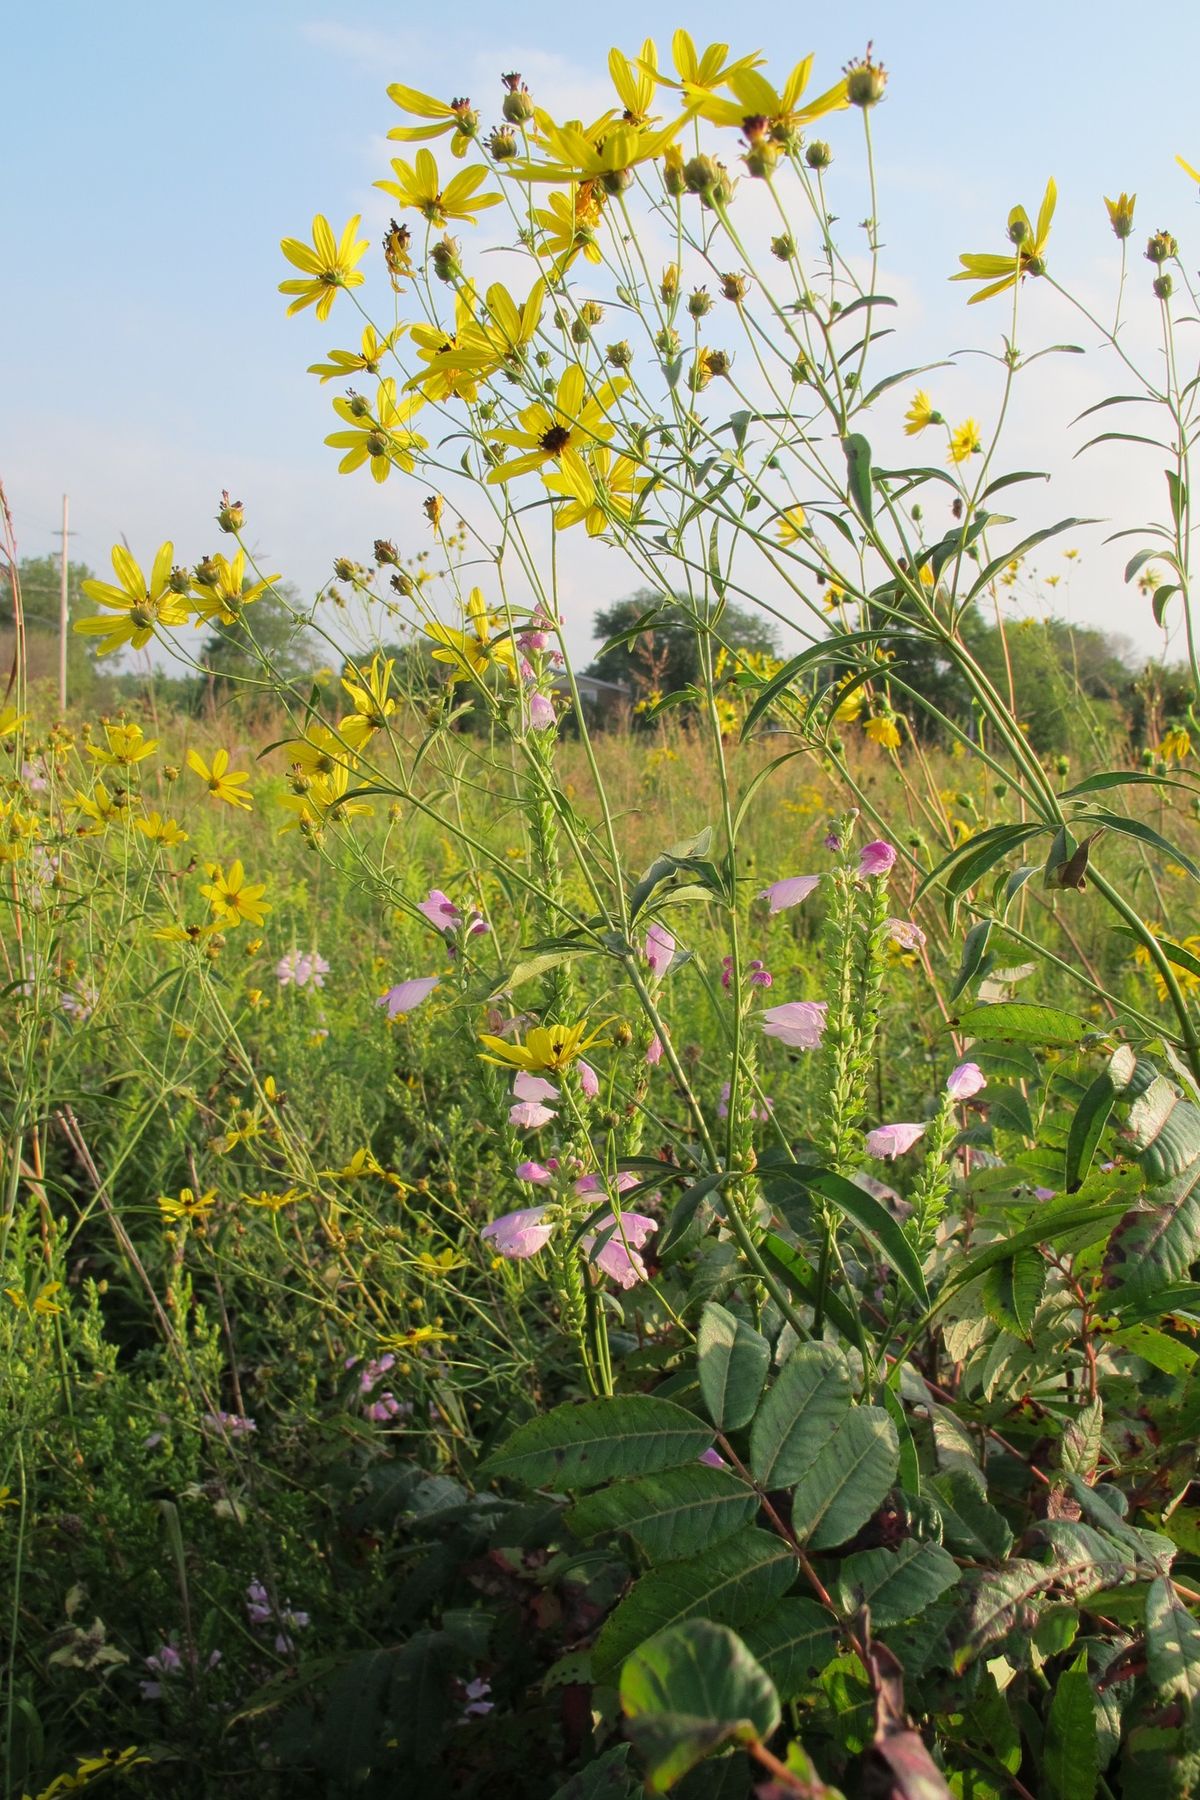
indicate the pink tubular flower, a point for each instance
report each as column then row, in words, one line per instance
column 406, row 995
column 596, row 1184
column 536, row 1173
column 532, row 1087
column 530, row 1115
column 904, row 933
column 541, row 712
column 798, row 1023
column 660, row 949
column 876, row 858
column 519, row 1234
column 618, row 1256
column 893, row 1140
column 967, row 1079
column 440, row 910
column 654, row 1052
column 589, row 1081
column 759, row 975
column 790, row 892
column 712, row 1459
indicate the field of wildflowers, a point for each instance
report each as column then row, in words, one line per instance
column 562, row 1261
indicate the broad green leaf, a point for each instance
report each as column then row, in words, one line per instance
column 1087, row 1128
column 863, row 1210
column 1022, row 1021
column 1155, row 1243
column 688, row 1692
column 1155, row 1347
column 1056, row 1223
column 1012, row 1291
column 1163, row 1130
column 581, row 1446
column 733, row 1583
column 670, row 1515
column 1173, row 1647
column 733, row 1363
column 847, row 1479
column 1070, row 1755
column 998, row 1601
column 970, row 1524
column 805, row 1404
column 1082, row 1440
column 896, row 1584
column 793, row 1643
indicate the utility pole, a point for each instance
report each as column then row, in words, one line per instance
column 62, row 616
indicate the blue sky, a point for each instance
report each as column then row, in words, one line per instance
column 156, row 155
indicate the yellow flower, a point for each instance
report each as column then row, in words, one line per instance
column 499, row 341
column 102, row 806
column 224, row 592
column 569, row 222
column 381, row 436
column 559, row 433
column 139, row 604
column 617, row 485
column 920, row 414
column 635, row 81
column 274, row 1202
column 322, row 795
column 754, row 97
column 552, row 1047
column 1120, row 213
column 485, row 643
column 884, row 731
column 1188, row 169
column 43, row 1302
column 126, row 745
column 1026, row 258
column 603, row 152
column 10, row 720
column 791, row 525
column 699, row 76
column 419, row 185
column 220, row 785
column 373, row 704
column 327, row 266
column 443, row 377
column 232, row 900
column 161, row 831
column 353, row 362
column 186, row 1204
column 455, row 116
column 964, row 442
column 318, row 752
column 1176, row 745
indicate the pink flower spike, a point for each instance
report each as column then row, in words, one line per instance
column 623, row 1265
column 782, row 894
column 519, row 1234
column 798, row 1023
column 541, row 712
column 967, row 1079
column 536, row 1173
column 904, row 933
column 408, row 994
column 530, row 1115
column 589, row 1081
column 439, row 909
column 893, row 1140
column 876, row 858
column 532, row 1087
column 654, row 1052
column 660, row 949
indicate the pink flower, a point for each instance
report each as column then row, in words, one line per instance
column 532, row 1087
column 618, row 1257
column 541, row 712
column 893, row 1140
column 876, row 858
column 519, row 1234
column 712, row 1458
column 832, row 841
column 906, row 934
column 596, row 1184
column 1044, row 1193
column 967, row 1079
column 756, row 1116
column 408, row 994
column 589, row 1081
column 660, row 949
column 440, row 910
column 790, row 892
column 530, row 1115
column 799, row 1023
column 654, row 1052
column 760, row 976
column 538, row 1174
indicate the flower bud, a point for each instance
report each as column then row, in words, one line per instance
column 669, row 285
column 616, row 181
column 818, row 155
column 673, row 176
column 179, row 581
column 865, row 81
column 433, row 507
column 1161, row 248
column 619, row 356
column 591, row 312
column 735, row 287
column 466, row 119
column 445, row 257
column 358, row 405
column 762, row 159
column 205, row 573
column 344, row 569
column 403, row 585
column 517, row 107
column 699, row 302
column 666, row 341
column 1163, row 286
column 706, row 176
column 386, row 553
column 502, row 144
column 231, row 514
column 622, row 1034
column 783, row 246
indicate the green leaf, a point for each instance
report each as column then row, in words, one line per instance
column 787, row 1263
column 691, row 1690
column 1142, row 834
column 671, row 1515
column 1070, row 1756
column 607, row 1778
column 1173, row 1648
column 974, row 948
column 874, row 1220
column 583, row 1445
column 1087, row 1128
column 847, row 1478
column 733, row 1583
column 998, row 1601
column 793, row 1643
column 1090, row 1222
column 733, row 1363
column 967, row 863
column 970, row 1524
column 1164, row 1130
column 1155, row 1243
column 1012, row 1291
column 858, row 475
column 1022, row 1021
column 808, row 1399
column 999, row 563
column 896, row 1584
